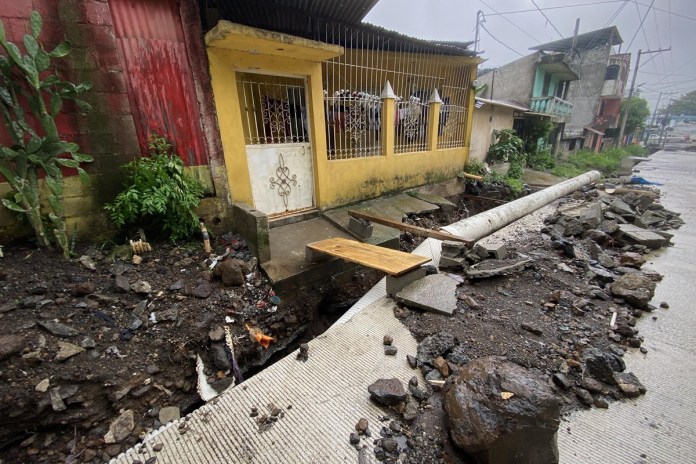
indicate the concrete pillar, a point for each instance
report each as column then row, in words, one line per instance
column 388, row 114
column 434, row 105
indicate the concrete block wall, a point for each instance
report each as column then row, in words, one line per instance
column 512, row 81
column 107, row 132
column 585, row 93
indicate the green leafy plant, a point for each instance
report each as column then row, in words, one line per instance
column 159, row 196
column 541, row 159
column 28, row 81
column 508, row 147
column 607, row 161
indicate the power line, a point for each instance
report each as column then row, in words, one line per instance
column 501, row 43
column 609, row 21
column 547, row 19
column 670, row 12
column 645, row 36
column 506, row 19
column 576, row 5
column 640, row 26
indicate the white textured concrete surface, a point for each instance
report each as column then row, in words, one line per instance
column 659, row 427
column 328, row 394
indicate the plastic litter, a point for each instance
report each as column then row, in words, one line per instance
column 641, row 181
column 257, row 336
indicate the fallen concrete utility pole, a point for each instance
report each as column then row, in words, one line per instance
column 479, row 226
column 484, row 224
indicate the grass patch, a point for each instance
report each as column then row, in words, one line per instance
column 607, row 162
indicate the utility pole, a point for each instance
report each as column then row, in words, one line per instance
column 479, row 14
column 619, row 141
column 652, row 121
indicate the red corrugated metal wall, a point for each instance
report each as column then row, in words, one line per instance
column 152, row 46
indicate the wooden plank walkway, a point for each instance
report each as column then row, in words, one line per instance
column 393, row 262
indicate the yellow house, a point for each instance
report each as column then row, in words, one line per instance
column 315, row 124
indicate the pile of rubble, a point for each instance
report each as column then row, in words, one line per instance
column 586, row 265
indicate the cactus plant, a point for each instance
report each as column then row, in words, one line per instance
column 27, row 81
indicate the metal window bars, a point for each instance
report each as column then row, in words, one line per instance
column 273, row 109
column 353, row 124
column 353, row 81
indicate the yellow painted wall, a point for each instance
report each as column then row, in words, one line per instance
column 486, row 120
column 337, row 182
column 224, row 63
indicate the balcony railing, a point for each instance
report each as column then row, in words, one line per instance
column 551, row 105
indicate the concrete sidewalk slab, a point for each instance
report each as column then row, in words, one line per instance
column 322, row 400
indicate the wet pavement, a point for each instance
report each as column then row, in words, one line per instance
column 659, row 427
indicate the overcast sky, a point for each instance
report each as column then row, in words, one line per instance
column 669, row 23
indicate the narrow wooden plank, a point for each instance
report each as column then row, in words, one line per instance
column 420, row 231
column 393, row 262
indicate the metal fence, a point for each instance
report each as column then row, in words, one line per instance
column 273, row 109
column 354, row 81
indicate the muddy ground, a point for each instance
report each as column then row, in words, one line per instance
column 134, row 350
column 126, row 346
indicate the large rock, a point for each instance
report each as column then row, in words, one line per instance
column 120, row 428
column 635, row 288
column 494, row 430
column 10, row 344
column 387, row 392
column 230, row 272
column 602, row 365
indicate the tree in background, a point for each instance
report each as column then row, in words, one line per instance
column 684, row 106
column 637, row 115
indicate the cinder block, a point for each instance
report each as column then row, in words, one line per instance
column 252, row 225
column 314, row 256
column 397, row 283
column 452, row 249
column 360, row 227
column 497, row 250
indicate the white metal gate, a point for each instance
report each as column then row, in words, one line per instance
column 278, row 150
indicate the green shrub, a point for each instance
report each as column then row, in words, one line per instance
column 607, row 162
column 160, row 196
column 541, row 160
column 516, row 186
column 508, row 147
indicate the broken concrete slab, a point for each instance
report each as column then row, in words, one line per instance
column 621, row 207
column 432, row 293
column 452, row 249
column 492, row 268
column 637, row 235
column 447, row 262
column 443, row 203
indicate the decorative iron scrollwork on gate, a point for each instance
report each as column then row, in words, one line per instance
column 284, row 180
column 411, row 121
column 276, row 116
column 357, row 122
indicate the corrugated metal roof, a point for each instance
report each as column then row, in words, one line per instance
column 283, row 14
column 586, row 41
column 331, row 21
column 514, row 104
